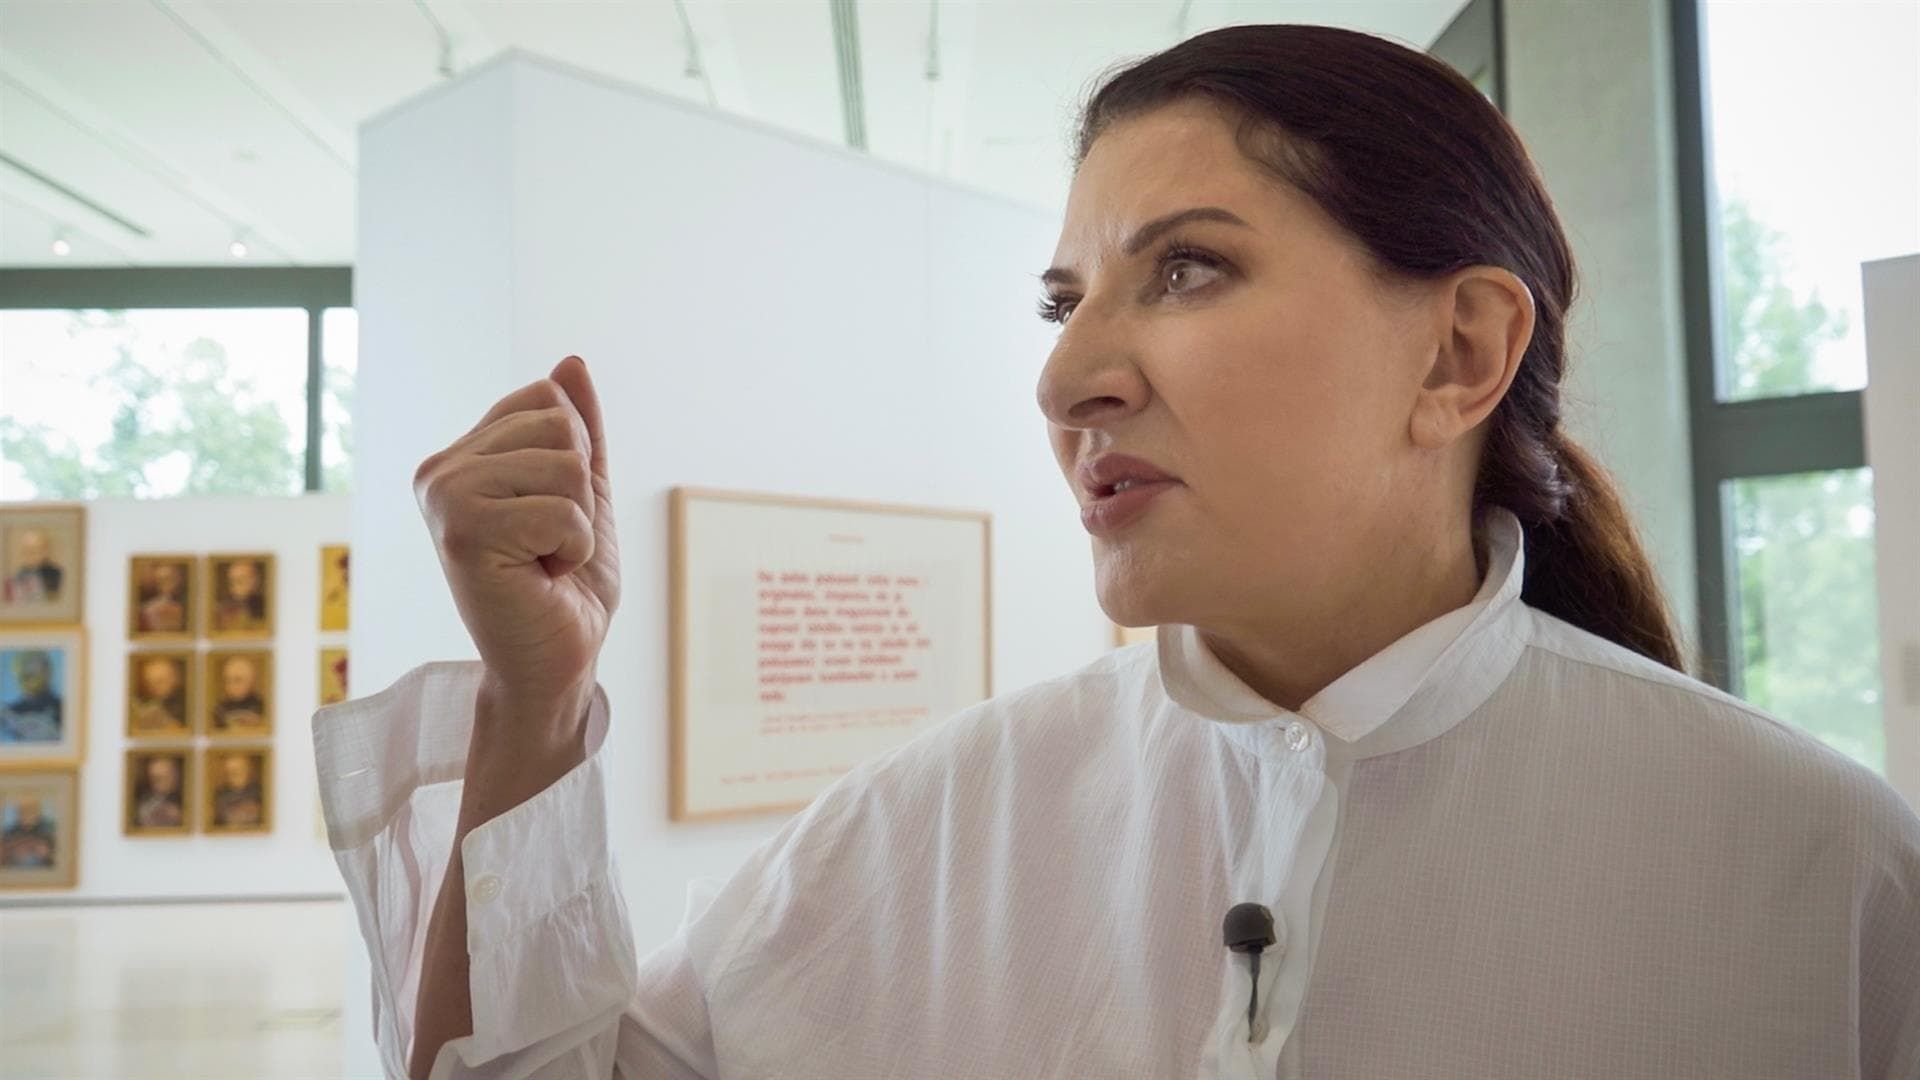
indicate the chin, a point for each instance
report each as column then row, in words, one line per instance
column 1131, row 598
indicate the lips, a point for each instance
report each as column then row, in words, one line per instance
column 1119, row 490
column 1101, row 477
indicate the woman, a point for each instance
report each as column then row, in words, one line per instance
column 1415, row 693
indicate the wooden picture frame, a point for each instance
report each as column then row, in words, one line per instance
column 227, row 808
column 779, row 686
column 145, row 807
column 163, row 598
column 43, row 697
column 43, row 853
column 162, row 695
column 240, row 602
column 237, row 694
column 335, row 590
column 43, row 556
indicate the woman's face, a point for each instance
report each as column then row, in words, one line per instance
column 1265, row 368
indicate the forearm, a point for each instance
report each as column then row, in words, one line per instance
column 518, row 748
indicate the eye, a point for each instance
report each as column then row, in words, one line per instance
column 1056, row 309
column 1183, row 269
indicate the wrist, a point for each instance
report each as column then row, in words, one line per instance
column 524, row 739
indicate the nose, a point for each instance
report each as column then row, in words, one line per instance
column 1092, row 378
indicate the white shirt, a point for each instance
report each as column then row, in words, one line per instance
column 1501, row 847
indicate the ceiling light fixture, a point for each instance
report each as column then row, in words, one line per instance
column 60, row 245
column 238, row 249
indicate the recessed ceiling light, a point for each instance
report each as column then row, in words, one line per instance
column 61, row 247
column 238, row 249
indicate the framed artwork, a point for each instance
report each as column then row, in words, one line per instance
column 240, row 591
column 333, row 587
column 43, row 550
column 160, row 697
column 156, row 799
column 43, row 692
column 333, row 676
column 160, row 597
column 39, row 829
column 238, row 786
column 811, row 634
column 239, row 694
column 1132, row 635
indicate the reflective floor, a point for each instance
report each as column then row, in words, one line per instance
column 207, row 991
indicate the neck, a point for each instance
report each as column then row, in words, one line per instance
column 1289, row 650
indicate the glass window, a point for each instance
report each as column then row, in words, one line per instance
column 339, row 362
column 1814, row 113
column 152, row 403
column 1808, row 644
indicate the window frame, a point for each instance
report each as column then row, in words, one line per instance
column 1821, row 431
column 1475, row 41
column 312, row 288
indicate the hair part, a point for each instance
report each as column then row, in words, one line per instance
column 1409, row 158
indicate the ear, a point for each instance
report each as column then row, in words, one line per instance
column 1485, row 319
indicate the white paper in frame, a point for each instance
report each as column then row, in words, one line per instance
column 810, row 635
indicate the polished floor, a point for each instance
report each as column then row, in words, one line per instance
column 202, row 991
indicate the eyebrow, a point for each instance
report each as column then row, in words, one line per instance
column 1148, row 233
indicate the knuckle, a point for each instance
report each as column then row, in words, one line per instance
column 456, row 540
column 423, row 475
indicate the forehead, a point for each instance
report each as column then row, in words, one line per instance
column 1178, row 156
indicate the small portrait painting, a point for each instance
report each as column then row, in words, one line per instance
column 333, row 587
column 157, row 784
column 240, row 596
column 42, row 553
column 333, row 676
column 42, row 679
column 160, row 598
column 239, row 789
column 39, row 837
column 239, row 693
column 159, row 694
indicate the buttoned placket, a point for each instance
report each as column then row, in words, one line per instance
column 1281, row 861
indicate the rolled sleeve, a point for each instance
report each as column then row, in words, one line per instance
column 550, row 945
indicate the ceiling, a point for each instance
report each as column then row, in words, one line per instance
column 156, row 132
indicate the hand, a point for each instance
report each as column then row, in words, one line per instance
column 521, row 513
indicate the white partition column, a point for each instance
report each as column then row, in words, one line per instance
column 760, row 312
column 1891, row 292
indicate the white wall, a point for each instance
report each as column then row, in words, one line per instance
column 760, row 312
column 292, row 860
column 1590, row 89
column 1891, row 402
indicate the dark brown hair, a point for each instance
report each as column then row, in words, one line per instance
column 1403, row 153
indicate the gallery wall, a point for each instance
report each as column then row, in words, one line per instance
column 290, row 858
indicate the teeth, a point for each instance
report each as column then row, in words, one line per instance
column 1122, row 486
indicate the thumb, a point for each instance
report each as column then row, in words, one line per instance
column 572, row 376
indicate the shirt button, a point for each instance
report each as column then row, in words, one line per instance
column 485, row 888
column 1299, row 736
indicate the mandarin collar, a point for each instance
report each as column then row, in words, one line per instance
column 1411, row 691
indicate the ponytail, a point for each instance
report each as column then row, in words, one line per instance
column 1584, row 560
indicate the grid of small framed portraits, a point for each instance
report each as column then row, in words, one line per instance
column 43, row 683
column 200, row 694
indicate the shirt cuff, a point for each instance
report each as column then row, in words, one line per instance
column 548, row 937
